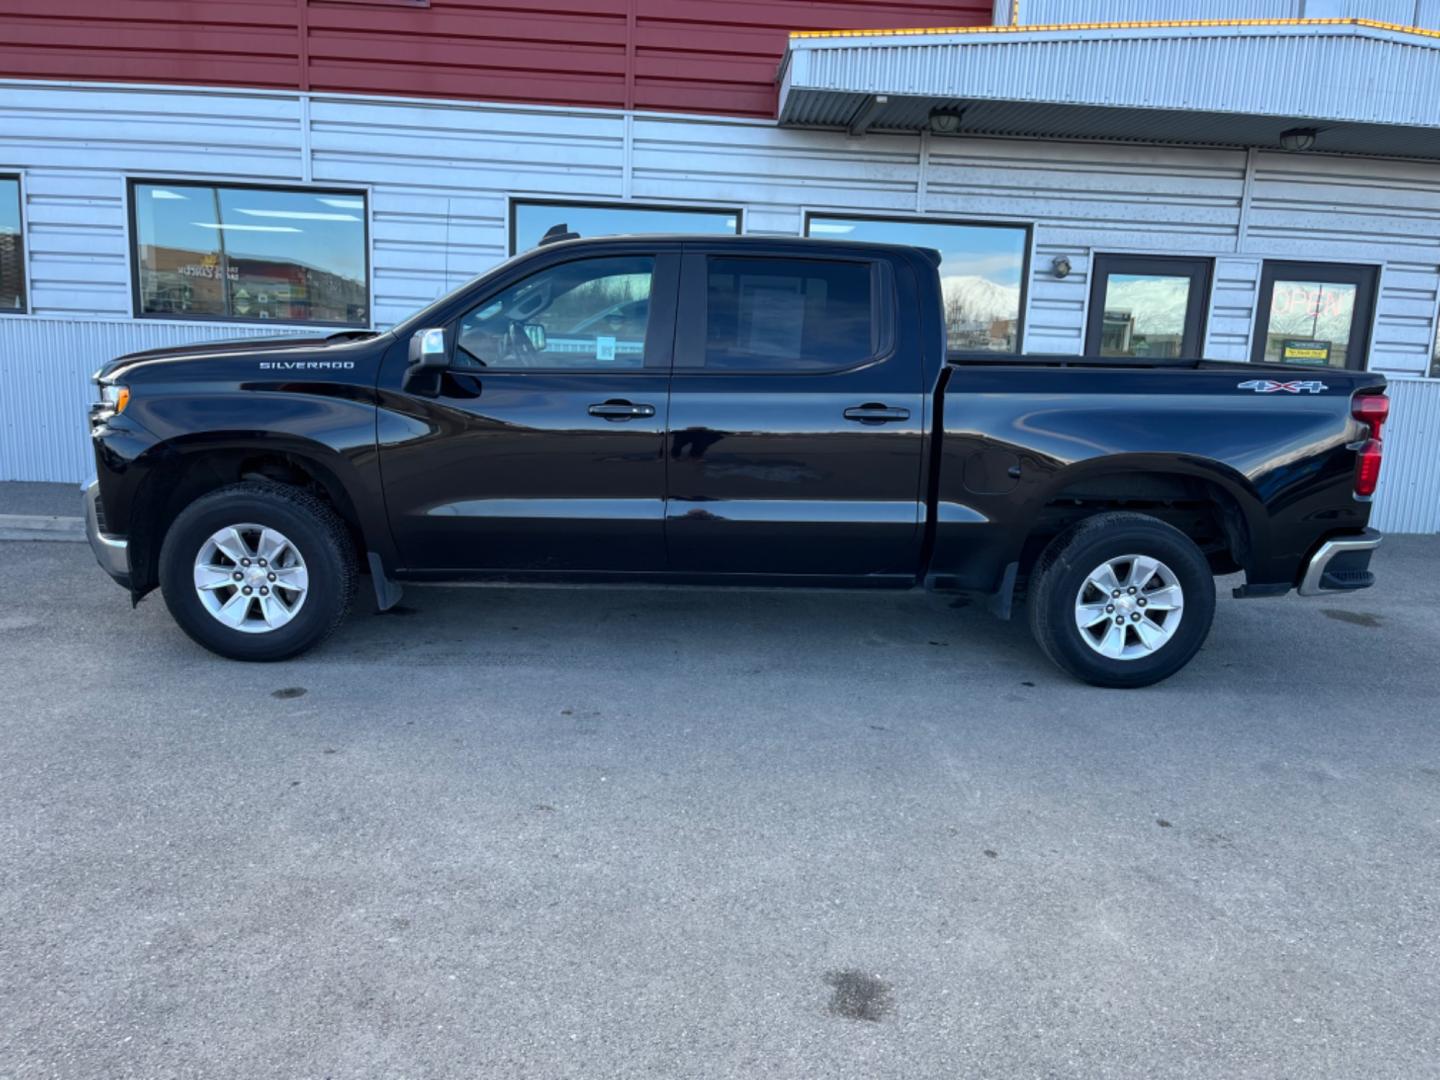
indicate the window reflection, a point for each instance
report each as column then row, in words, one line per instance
column 590, row 314
column 251, row 253
column 534, row 220
column 981, row 271
column 1310, row 323
column 12, row 247
column 787, row 314
column 1144, row 315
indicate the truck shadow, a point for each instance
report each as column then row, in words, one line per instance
column 605, row 625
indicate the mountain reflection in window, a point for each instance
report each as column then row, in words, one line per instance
column 981, row 272
column 251, row 254
column 1145, row 315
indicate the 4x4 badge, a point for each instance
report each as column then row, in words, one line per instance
column 1270, row 386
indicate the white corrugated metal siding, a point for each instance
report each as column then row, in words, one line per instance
column 1340, row 73
column 439, row 176
column 1409, row 496
column 1053, row 12
column 45, row 367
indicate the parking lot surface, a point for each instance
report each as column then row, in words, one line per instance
column 625, row 833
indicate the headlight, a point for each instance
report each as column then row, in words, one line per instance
column 117, row 397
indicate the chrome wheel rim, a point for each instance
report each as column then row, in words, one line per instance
column 1129, row 607
column 251, row 578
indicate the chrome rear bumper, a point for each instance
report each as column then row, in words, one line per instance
column 1341, row 565
column 111, row 552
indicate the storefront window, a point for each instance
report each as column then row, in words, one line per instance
column 982, row 272
column 12, row 248
column 250, row 254
column 529, row 221
column 1435, row 356
column 1147, row 306
column 1310, row 322
column 1314, row 314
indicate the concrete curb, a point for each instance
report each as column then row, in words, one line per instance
column 41, row 527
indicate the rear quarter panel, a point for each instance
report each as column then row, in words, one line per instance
column 1286, row 459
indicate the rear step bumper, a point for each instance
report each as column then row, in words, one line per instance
column 1341, row 565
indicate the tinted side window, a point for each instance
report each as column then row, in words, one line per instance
column 787, row 314
column 591, row 314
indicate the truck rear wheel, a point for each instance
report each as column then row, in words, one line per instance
column 258, row 571
column 1121, row 600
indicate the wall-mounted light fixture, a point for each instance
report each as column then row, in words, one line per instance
column 1060, row 266
column 945, row 121
column 1297, row 139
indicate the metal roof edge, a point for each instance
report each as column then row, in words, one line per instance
column 1429, row 37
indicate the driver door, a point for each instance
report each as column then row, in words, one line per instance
column 541, row 450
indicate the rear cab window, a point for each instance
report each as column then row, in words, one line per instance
column 783, row 314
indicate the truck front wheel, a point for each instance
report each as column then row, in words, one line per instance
column 258, row 571
column 1121, row 600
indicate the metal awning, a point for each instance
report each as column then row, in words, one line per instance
column 1366, row 87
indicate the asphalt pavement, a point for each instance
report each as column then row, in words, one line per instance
column 630, row 833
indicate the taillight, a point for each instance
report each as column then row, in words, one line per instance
column 1374, row 410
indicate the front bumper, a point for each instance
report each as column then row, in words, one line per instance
column 111, row 552
column 1341, row 565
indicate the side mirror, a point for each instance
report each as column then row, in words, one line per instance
column 536, row 333
column 427, row 350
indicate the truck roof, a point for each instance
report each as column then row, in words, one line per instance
column 740, row 242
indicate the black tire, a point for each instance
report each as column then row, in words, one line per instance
column 316, row 532
column 1073, row 555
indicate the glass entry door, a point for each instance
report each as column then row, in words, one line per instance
column 1314, row 314
column 1148, row 305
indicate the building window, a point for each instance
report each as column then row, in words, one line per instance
column 1435, row 356
column 204, row 251
column 1314, row 314
column 982, row 272
column 1147, row 305
column 529, row 221
column 12, row 248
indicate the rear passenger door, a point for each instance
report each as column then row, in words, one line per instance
column 796, row 415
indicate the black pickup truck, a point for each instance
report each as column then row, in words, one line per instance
column 719, row 411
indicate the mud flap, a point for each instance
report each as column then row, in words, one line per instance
column 387, row 592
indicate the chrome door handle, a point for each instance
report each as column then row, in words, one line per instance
column 875, row 413
column 621, row 410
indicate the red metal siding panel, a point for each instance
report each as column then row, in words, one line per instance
column 690, row 55
column 553, row 52
column 172, row 41
column 722, row 57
